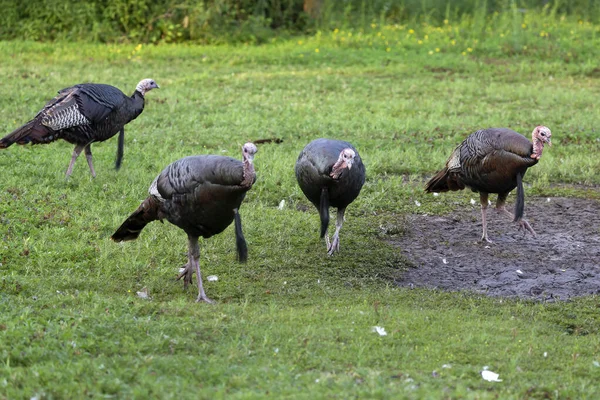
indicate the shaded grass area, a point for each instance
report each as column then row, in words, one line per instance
column 292, row 322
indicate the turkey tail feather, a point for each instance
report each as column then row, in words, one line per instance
column 324, row 211
column 439, row 182
column 30, row 132
column 240, row 242
column 520, row 204
column 133, row 225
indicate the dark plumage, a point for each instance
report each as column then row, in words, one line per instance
column 201, row 195
column 330, row 173
column 493, row 161
column 83, row 114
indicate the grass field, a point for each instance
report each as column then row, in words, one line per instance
column 292, row 322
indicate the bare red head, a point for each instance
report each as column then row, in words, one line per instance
column 345, row 160
column 540, row 136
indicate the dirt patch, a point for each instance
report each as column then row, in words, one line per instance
column 562, row 262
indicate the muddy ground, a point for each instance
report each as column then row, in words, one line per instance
column 562, row 262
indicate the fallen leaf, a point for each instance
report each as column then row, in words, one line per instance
column 490, row 376
column 143, row 294
column 380, row 330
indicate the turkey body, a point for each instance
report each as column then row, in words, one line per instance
column 314, row 175
column 201, row 195
column 491, row 160
column 83, row 114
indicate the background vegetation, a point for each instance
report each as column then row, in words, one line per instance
column 255, row 21
column 292, row 322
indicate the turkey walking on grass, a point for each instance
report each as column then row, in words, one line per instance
column 83, row 114
column 493, row 161
column 201, row 195
column 330, row 173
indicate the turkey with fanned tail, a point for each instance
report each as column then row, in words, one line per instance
column 201, row 195
column 493, row 160
column 83, row 114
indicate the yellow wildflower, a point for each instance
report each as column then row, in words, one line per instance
column 388, row 49
column 445, row 22
column 316, row 50
column 523, row 26
column 469, row 49
column 410, row 31
column 420, row 42
column 437, row 49
column 430, row 52
column 463, row 53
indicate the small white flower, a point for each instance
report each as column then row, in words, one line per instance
column 436, row 194
column 490, row 376
column 212, row 278
column 276, row 350
column 548, row 200
column 380, row 330
column 489, row 202
column 444, row 261
column 281, row 205
column 546, row 354
column 596, row 363
column 446, row 366
column 473, row 201
column 417, row 203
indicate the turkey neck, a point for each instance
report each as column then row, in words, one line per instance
column 138, row 99
column 538, row 147
column 248, row 173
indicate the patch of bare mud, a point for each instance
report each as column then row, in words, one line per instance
column 562, row 262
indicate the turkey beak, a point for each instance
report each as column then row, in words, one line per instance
column 549, row 143
column 156, row 86
column 349, row 163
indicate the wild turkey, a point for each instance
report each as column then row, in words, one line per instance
column 330, row 173
column 83, row 114
column 493, row 161
column 201, row 195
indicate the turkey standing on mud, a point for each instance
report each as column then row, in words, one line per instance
column 330, row 173
column 493, row 161
column 201, row 195
column 83, row 114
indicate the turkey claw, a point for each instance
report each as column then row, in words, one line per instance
column 524, row 226
column 187, row 273
column 335, row 246
column 202, row 298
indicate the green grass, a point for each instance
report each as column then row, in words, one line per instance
column 292, row 322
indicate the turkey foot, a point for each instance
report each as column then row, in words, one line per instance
column 335, row 245
column 186, row 272
column 524, row 225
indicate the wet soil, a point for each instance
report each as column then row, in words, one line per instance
column 562, row 262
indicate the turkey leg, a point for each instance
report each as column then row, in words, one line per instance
column 193, row 265
column 483, row 199
column 76, row 152
column 88, row 156
column 335, row 243
column 501, row 208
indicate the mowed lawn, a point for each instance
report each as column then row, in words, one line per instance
column 292, row 322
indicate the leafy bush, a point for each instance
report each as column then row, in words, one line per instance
column 241, row 21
